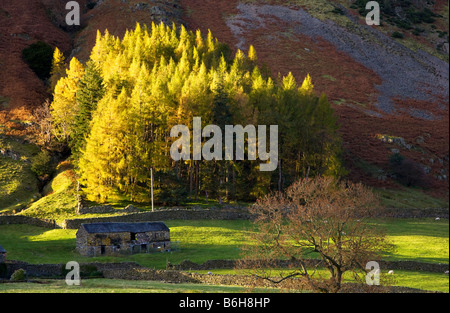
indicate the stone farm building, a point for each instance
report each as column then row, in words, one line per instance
column 97, row 239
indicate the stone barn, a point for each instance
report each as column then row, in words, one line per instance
column 97, row 239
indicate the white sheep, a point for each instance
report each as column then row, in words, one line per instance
column 391, row 272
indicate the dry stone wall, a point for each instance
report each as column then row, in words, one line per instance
column 134, row 271
column 21, row 219
column 133, row 214
column 107, row 209
column 164, row 215
column 384, row 265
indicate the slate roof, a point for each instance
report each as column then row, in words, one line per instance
column 2, row 250
column 94, row 228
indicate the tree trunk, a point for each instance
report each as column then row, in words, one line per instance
column 279, row 176
column 191, row 179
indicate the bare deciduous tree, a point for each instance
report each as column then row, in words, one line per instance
column 316, row 223
column 43, row 125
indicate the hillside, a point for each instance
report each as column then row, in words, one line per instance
column 380, row 87
column 390, row 94
column 23, row 23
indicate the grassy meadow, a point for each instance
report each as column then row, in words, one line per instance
column 422, row 240
column 100, row 285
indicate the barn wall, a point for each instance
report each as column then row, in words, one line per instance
column 114, row 243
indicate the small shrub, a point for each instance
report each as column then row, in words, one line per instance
column 408, row 172
column 86, row 271
column 403, row 24
column 442, row 34
column 417, row 31
column 396, row 159
column 398, row 35
column 42, row 164
column 91, row 5
column 18, row 275
column 338, row 11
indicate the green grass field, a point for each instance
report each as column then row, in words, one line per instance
column 412, row 279
column 115, row 285
column 200, row 241
column 424, row 240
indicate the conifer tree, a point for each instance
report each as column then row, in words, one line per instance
column 58, row 68
column 328, row 140
column 135, row 89
column 90, row 91
column 252, row 54
column 307, row 87
column 64, row 105
column 103, row 164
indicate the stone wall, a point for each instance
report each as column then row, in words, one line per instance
column 107, row 209
column 164, row 215
column 58, row 270
column 384, row 265
column 34, row 270
column 134, row 271
column 442, row 213
column 21, row 219
column 195, row 213
column 414, row 266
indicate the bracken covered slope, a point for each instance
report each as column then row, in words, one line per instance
column 24, row 22
column 388, row 97
column 21, row 24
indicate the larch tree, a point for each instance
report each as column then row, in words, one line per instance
column 158, row 77
column 64, row 105
column 58, row 68
column 103, row 163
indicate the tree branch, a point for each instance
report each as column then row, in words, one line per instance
column 283, row 279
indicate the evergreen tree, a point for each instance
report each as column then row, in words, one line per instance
column 90, row 91
column 219, row 182
column 328, row 140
